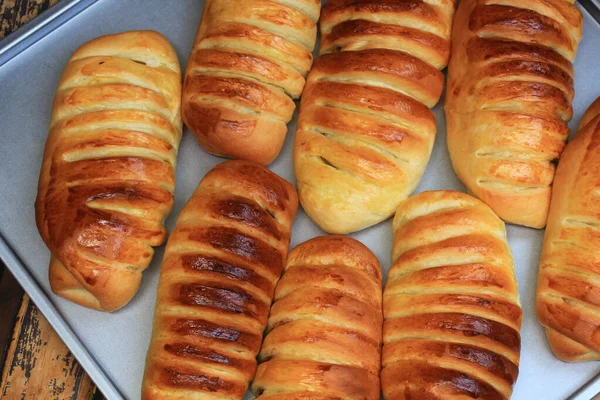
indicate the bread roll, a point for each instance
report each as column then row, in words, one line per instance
column 324, row 332
column 108, row 171
column 221, row 265
column 508, row 101
column 365, row 130
column 451, row 306
column 248, row 63
column 568, row 294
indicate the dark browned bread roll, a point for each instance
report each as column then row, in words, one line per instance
column 221, row 265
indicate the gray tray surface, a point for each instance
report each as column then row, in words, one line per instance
column 112, row 347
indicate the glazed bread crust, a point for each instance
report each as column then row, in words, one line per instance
column 248, row 63
column 324, row 333
column 508, row 101
column 365, row 130
column 568, row 301
column 217, row 280
column 451, row 306
column 108, row 171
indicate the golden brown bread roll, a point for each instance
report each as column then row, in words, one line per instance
column 568, row 294
column 508, row 101
column 451, row 306
column 108, row 172
column 218, row 276
column 324, row 332
column 365, row 130
column 248, row 62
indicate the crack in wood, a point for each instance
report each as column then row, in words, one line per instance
column 39, row 365
column 15, row 13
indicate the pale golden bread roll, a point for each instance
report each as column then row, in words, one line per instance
column 248, row 63
column 451, row 306
column 324, row 333
column 217, row 280
column 365, row 130
column 568, row 293
column 508, row 100
column 108, row 171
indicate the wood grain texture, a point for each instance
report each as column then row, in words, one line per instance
column 10, row 301
column 38, row 364
column 15, row 13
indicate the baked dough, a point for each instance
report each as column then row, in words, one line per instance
column 324, row 332
column 248, row 62
column 451, row 306
column 568, row 302
column 508, row 101
column 108, row 172
column 365, row 130
column 221, row 265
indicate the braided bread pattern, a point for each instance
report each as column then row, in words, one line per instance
column 365, row 130
column 221, row 265
column 451, row 306
column 108, row 173
column 569, row 279
column 324, row 332
column 248, row 62
column 510, row 88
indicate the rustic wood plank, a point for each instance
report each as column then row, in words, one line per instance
column 10, row 300
column 15, row 13
column 38, row 364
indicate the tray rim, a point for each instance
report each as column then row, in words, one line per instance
column 43, row 302
column 11, row 47
column 592, row 7
column 49, row 20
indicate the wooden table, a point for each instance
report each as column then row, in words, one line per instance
column 34, row 362
column 37, row 364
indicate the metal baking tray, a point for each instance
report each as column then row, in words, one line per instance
column 112, row 347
